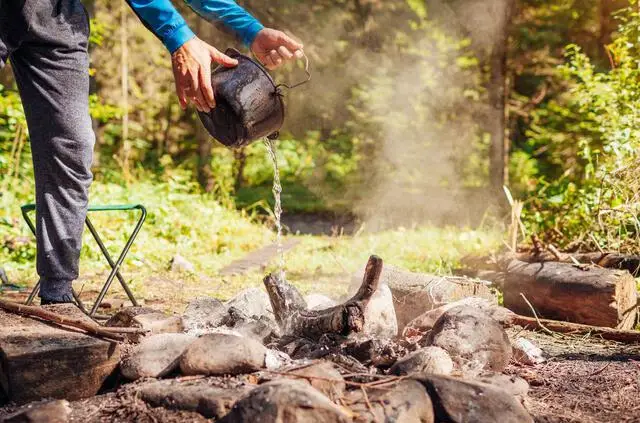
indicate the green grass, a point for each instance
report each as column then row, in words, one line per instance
column 295, row 198
column 211, row 236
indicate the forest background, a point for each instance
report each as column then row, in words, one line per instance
column 431, row 126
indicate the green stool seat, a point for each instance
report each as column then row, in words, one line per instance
column 115, row 266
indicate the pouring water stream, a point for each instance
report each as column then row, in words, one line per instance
column 277, row 209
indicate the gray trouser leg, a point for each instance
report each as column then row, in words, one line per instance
column 4, row 53
column 51, row 66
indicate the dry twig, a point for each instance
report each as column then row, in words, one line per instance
column 48, row 316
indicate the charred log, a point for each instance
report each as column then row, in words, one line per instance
column 294, row 318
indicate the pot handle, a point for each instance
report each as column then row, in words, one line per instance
column 306, row 71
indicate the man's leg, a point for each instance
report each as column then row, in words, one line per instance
column 4, row 53
column 51, row 67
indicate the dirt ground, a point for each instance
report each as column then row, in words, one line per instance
column 583, row 380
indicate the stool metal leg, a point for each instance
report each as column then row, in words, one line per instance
column 107, row 256
column 118, row 263
column 115, row 267
column 33, row 294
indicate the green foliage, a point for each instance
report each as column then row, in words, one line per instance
column 590, row 136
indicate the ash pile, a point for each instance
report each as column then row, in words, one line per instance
column 403, row 347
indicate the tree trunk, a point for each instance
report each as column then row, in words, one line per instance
column 124, row 85
column 240, row 157
column 205, row 145
column 205, row 142
column 583, row 294
column 497, row 114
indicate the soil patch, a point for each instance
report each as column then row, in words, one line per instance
column 583, row 380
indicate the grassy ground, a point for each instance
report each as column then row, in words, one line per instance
column 212, row 236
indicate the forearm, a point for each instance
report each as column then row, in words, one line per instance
column 162, row 18
column 230, row 14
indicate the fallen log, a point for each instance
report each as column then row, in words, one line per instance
column 416, row 293
column 619, row 335
column 49, row 316
column 293, row 317
column 610, row 260
column 584, row 294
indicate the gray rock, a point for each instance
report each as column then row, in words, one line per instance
column 406, row 402
column 181, row 264
column 425, row 321
column 275, row 359
column 515, row 385
column 459, row 401
column 286, row 401
column 319, row 302
column 202, row 315
column 156, row 356
column 124, row 318
column 526, row 352
column 196, row 395
column 380, row 316
column 425, row 360
column 221, row 354
column 474, row 340
column 252, row 302
column 154, row 322
column 261, row 328
column 323, row 376
column 51, row 412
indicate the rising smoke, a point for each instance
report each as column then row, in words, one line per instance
column 418, row 91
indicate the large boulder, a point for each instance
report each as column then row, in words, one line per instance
column 473, row 339
column 253, row 302
column 425, row 360
column 203, row 315
column 459, row 401
column 379, row 316
column 426, row 320
column 156, row 356
column 415, row 293
column 221, row 354
column 286, row 401
column 406, row 402
column 39, row 360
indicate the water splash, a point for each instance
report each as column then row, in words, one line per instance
column 277, row 209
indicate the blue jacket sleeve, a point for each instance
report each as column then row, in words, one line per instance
column 162, row 18
column 230, row 14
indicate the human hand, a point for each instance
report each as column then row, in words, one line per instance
column 192, row 73
column 274, row 47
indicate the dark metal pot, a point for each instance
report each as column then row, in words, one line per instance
column 249, row 104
